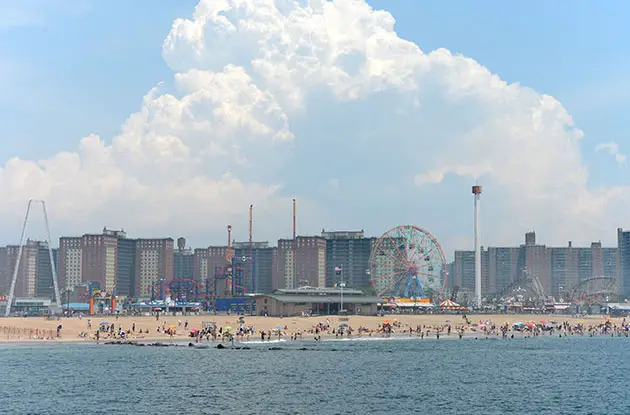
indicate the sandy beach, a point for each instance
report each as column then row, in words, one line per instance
column 36, row 329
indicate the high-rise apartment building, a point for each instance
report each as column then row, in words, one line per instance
column 44, row 286
column 623, row 262
column 284, row 271
column 183, row 261
column 609, row 259
column 349, row 250
column 126, row 267
column 559, row 269
column 26, row 282
column 99, row 260
column 115, row 263
column 564, row 269
column 307, row 268
column 208, row 262
column 5, row 272
column 70, row 263
column 535, row 261
column 463, row 271
column 35, row 276
column 201, row 271
column 502, row 269
column 571, row 266
column 258, row 263
column 154, row 262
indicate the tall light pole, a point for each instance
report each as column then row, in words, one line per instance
column 477, row 195
column 341, row 285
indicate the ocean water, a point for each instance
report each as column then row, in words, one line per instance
column 549, row 375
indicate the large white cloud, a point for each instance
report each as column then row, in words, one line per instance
column 280, row 97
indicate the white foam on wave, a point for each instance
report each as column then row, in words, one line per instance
column 261, row 341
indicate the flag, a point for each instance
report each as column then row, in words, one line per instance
column 337, row 270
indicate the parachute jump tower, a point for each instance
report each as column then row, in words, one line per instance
column 7, row 311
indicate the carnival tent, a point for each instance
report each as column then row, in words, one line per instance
column 451, row 305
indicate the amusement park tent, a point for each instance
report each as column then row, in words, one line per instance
column 451, row 305
column 415, row 303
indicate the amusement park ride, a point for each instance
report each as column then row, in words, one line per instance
column 408, row 262
column 228, row 281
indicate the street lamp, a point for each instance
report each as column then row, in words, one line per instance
column 68, row 302
column 339, row 271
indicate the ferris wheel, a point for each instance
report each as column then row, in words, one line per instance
column 408, row 262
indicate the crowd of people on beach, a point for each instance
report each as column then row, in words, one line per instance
column 211, row 331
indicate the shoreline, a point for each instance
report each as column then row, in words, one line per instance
column 180, row 342
column 14, row 330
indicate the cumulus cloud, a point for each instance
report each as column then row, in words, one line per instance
column 272, row 98
column 613, row 149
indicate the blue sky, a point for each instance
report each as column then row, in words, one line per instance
column 576, row 51
column 101, row 58
column 70, row 71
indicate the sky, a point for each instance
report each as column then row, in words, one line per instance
column 171, row 118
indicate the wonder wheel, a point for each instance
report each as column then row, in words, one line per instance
column 408, row 262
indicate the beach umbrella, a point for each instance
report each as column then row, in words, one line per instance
column 343, row 325
column 172, row 326
column 227, row 328
column 280, row 327
column 104, row 323
column 194, row 330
